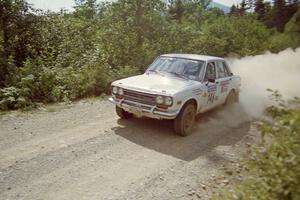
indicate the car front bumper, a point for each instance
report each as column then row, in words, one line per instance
column 143, row 110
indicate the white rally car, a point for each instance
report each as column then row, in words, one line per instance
column 176, row 86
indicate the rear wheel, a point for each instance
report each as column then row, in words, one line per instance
column 122, row 113
column 184, row 122
column 232, row 97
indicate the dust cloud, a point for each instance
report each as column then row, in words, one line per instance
column 275, row 71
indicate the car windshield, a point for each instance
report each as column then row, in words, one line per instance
column 184, row 68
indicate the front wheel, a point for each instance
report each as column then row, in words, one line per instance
column 122, row 113
column 184, row 122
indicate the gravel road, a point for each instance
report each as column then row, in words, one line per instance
column 83, row 151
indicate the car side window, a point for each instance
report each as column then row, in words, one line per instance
column 228, row 72
column 210, row 71
column 222, row 71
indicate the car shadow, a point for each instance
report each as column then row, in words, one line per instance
column 222, row 127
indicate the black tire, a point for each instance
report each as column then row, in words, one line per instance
column 122, row 113
column 184, row 122
column 232, row 97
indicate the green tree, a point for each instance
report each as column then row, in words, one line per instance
column 131, row 27
column 233, row 9
column 282, row 12
column 176, row 9
column 86, row 9
column 19, row 28
column 238, row 35
column 243, row 7
column 292, row 30
column 49, row 57
column 279, row 18
column 260, row 9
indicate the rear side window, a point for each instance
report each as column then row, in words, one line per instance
column 222, row 69
column 229, row 73
column 210, row 72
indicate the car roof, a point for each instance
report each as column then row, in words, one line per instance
column 193, row 56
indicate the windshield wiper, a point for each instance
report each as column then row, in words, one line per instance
column 154, row 70
column 179, row 75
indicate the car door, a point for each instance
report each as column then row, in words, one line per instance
column 211, row 88
column 223, row 81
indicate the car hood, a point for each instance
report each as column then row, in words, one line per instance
column 154, row 83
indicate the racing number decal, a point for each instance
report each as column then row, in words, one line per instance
column 224, row 86
column 211, row 93
column 211, row 97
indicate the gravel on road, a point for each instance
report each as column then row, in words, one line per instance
column 83, row 151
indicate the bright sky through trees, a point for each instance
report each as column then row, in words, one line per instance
column 56, row 5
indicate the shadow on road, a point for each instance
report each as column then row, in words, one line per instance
column 219, row 127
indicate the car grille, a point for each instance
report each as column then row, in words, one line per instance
column 139, row 97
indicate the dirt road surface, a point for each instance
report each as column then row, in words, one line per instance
column 86, row 152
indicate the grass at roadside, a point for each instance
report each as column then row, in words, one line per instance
column 53, row 107
column 273, row 167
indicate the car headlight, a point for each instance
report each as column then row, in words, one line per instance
column 120, row 91
column 168, row 101
column 159, row 100
column 115, row 90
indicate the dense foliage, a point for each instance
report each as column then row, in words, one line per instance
column 274, row 168
column 50, row 57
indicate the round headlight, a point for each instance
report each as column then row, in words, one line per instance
column 159, row 100
column 115, row 90
column 120, row 91
column 168, row 101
